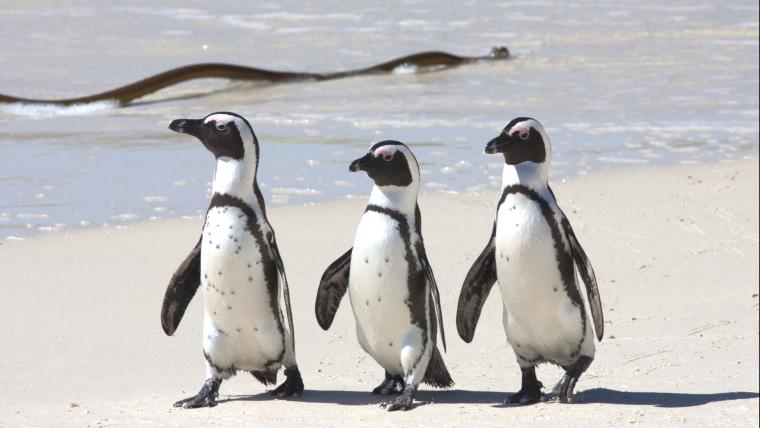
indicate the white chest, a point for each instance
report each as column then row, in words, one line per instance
column 526, row 263
column 378, row 286
column 537, row 309
column 240, row 318
column 231, row 260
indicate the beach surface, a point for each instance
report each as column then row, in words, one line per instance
column 675, row 251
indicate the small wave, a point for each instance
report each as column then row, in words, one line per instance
column 296, row 191
column 622, row 160
column 125, row 217
column 32, row 216
column 155, row 198
column 337, row 183
column 405, row 69
column 52, row 110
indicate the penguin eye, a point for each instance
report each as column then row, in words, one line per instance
column 221, row 127
column 524, row 135
column 387, row 157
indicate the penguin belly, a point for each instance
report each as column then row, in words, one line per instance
column 242, row 330
column 541, row 322
column 379, row 293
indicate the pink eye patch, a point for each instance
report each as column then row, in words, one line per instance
column 384, row 152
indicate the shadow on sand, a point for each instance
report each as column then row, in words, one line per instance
column 659, row 399
column 363, row 398
column 460, row 396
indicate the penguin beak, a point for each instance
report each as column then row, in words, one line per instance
column 362, row 163
column 187, row 126
column 498, row 144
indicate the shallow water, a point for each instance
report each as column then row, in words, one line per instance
column 615, row 84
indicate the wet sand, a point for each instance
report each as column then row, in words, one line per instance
column 675, row 251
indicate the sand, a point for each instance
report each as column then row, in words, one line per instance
column 675, row 251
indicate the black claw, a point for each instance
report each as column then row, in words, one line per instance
column 530, row 391
column 405, row 401
column 206, row 397
column 390, row 385
column 293, row 385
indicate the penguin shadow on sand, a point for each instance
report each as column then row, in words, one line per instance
column 364, row 398
column 460, row 396
column 659, row 399
column 644, row 398
column 347, row 398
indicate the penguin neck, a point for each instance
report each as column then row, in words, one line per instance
column 235, row 177
column 529, row 174
column 401, row 199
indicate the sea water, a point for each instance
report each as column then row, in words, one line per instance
column 615, row 83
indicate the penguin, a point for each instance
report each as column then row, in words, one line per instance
column 389, row 280
column 238, row 267
column 533, row 253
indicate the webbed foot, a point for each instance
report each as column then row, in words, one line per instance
column 391, row 385
column 530, row 391
column 206, row 397
column 566, row 385
column 405, row 401
column 293, row 385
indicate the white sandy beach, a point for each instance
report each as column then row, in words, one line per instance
column 675, row 251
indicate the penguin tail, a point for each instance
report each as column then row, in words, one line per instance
column 437, row 375
column 267, row 377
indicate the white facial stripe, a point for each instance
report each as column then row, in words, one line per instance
column 520, row 128
column 246, row 136
column 219, row 118
column 384, row 151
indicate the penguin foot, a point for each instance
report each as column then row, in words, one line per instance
column 524, row 397
column 564, row 388
column 391, row 385
column 293, row 385
column 206, row 397
column 405, row 401
column 530, row 392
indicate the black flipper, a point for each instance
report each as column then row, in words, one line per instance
column 586, row 271
column 589, row 278
column 420, row 247
column 477, row 285
column 181, row 289
column 332, row 288
column 285, row 288
column 278, row 260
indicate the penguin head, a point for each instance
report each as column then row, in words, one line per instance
column 389, row 163
column 522, row 140
column 226, row 135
